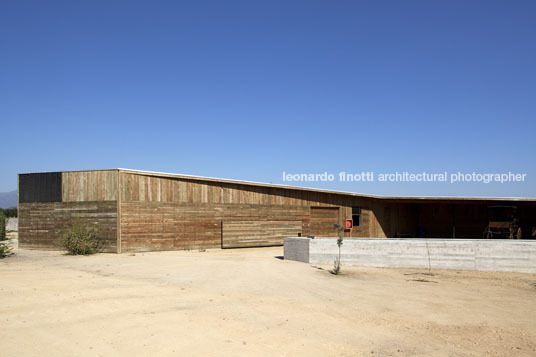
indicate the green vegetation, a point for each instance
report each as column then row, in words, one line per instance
column 2, row 226
column 4, row 250
column 9, row 212
column 80, row 239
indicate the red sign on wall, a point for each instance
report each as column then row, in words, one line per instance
column 348, row 224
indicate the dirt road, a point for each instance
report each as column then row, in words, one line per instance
column 249, row 302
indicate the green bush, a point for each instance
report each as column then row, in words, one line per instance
column 9, row 212
column 80, row 239
column 4, row 250
column 2, row 227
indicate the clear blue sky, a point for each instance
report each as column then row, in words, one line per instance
column 249, row 89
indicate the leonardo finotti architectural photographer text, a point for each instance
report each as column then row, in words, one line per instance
column 369, row 176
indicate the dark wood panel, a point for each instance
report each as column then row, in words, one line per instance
column 40, row 187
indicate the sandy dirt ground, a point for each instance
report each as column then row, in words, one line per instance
column 250, row 302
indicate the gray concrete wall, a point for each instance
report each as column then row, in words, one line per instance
column 297, row 249
column 464, row 254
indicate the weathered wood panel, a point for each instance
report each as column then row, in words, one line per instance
column 171, row 234
column 90, row 186
column 322, row 221
column 241, row 234
column 139, row 187
column 42, row 224
column 227, row 201
column 185, row 191
column 172, row 226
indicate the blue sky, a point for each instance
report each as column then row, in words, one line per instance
column 251, row 89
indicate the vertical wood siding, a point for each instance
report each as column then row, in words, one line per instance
column 83, row 186
column 137, row 187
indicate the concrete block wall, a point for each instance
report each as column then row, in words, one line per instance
column 296, row 249
column 463, row 254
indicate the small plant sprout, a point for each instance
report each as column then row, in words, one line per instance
column 337, row 263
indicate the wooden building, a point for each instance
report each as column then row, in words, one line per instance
column 147, row 211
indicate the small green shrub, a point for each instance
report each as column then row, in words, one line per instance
column 4, row 250
column 80, row 239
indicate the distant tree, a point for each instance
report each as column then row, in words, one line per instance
column 9, row 212
column 2, row 226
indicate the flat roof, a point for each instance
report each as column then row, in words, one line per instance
column 309, row 189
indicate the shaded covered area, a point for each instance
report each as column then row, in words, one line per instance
column 457, row 218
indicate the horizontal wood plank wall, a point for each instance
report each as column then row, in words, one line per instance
column 322, row 221
column 160, row 213
column 147, row 226
column 240, row 234
column 42, row 224
column 89, row 186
